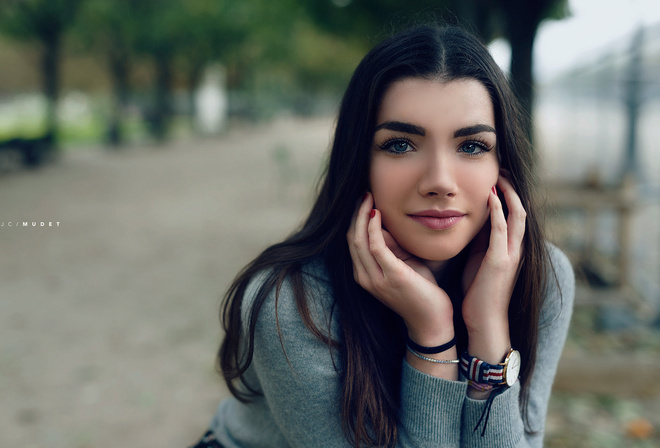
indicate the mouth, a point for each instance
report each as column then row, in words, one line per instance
column 437, row 220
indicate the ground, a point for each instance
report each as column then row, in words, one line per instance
column 109, row 311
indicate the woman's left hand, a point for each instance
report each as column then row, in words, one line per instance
column 492, row 269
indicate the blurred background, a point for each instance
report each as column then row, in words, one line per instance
column 150, row 148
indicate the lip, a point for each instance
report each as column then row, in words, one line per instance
column 436, row 219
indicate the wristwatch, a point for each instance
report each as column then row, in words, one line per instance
column 504, row 373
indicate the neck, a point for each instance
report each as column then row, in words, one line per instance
column 436, row 266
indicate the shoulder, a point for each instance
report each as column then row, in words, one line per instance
column 278, row 302
column 559, row 291
column 560, row 265
column 314, row 276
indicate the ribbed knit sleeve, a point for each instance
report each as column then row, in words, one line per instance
column 430, row 409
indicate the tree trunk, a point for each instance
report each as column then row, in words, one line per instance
column 161, row 115
column 523, row 20
column 521, row 38
column 119, row 69
column 50, row 80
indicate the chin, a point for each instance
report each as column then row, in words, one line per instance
column 432, row 252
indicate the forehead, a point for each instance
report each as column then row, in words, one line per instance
column 437, row 104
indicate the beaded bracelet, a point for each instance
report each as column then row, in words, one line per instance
column 438, row 361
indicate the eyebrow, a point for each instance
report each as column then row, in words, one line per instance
column 408, row 128
column 399, row 126
column 472, row 130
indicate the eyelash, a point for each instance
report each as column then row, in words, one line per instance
column 387, row 144
column 482, row 145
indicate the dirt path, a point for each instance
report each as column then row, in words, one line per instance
column 108, row 318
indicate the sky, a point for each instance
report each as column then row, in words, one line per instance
column 592, row 26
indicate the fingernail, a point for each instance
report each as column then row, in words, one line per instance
column 373, row 213
column 493, row 190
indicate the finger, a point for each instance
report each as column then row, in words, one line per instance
column 353, row 240
column 498, row 242
column 360, row 239
column 517, row 214
column 381, row 253
column 359, row 271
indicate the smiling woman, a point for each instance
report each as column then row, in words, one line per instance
column 419, row 305
column 433, row 164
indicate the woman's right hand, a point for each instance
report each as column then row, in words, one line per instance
column 398, row 279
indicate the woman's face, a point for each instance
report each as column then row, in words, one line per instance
column 433, row 164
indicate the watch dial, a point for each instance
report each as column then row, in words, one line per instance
column 513, row 368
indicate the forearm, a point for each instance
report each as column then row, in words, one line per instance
column 489, row 341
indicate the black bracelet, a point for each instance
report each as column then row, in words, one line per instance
column 431, row 350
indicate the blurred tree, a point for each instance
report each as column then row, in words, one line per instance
column 368, row 20
column 186, row 35
column 323, row 71
column 110, row 27
column 44, row 22
column 523, row 19
column 161, row 26
column 215, row 31
column 178, row 37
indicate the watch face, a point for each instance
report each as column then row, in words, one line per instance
column 513, row 368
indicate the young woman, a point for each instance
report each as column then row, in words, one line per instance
column 419, row 304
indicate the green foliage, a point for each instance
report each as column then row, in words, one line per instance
column 370, row 20
column 271, row 49
column 557, row 10
column 37, row 19
column 109, row 25
column 326, row 70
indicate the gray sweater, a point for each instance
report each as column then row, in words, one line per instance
column 301, row 389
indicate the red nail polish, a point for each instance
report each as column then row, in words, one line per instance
column 373, row 213
column 494, row 190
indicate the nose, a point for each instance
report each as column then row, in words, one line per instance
column 438, row 176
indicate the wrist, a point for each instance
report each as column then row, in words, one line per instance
column 482, row 317
column 486, row 325
column 431, row 350
column 432, row 337
column 489, row 344
column 442, row 365
column 484, row 376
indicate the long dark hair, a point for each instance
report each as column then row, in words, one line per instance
column 370, row 345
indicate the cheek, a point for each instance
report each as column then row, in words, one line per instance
column 480, row 178
column 386, row 183
column 480, row 186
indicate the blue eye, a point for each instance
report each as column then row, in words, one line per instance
column 396, row 146
column 400, row 146
column 474, row 149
